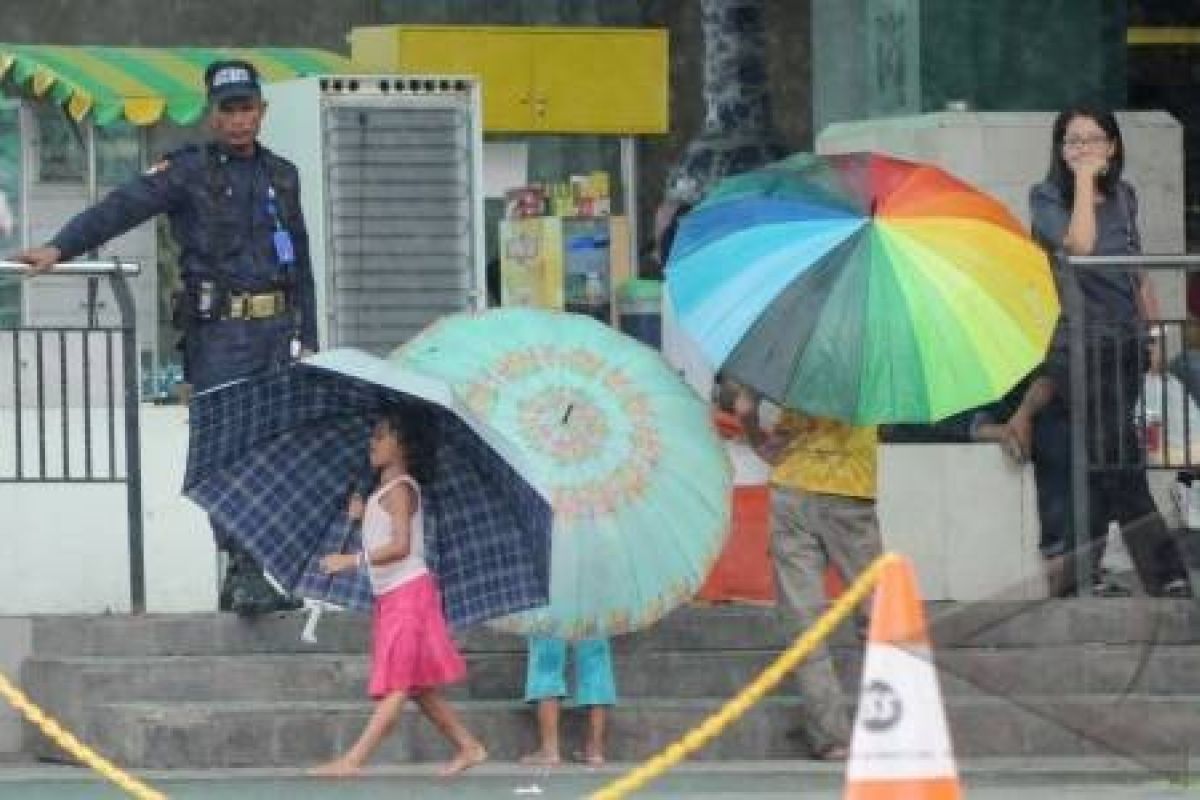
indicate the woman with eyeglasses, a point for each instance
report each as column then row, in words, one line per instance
column 1084, row 208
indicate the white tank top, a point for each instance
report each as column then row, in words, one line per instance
column 377, row 531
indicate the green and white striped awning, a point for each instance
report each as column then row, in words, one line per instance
column 143, row 84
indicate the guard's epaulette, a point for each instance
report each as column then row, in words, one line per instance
column 171, row 157
column 272, row 157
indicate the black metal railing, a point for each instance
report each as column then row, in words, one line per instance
column 93, row 409
column 1096, row 351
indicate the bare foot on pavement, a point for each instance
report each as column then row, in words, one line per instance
column 593, row 758
column 540, row 758
column 339, row 768
column 465, row 759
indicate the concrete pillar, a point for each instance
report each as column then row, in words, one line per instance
column 738, row 132
column 879, row 58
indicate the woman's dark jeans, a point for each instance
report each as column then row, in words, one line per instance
column 1118, row 490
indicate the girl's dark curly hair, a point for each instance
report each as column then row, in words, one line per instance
column 416, row 429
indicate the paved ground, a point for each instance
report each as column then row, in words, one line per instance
column 995, row 780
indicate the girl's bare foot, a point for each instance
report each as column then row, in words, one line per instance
column 540, row 758
column 589, row 756
column 338, row 768
column 463, row 760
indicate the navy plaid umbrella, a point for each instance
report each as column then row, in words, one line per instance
column 272, row 458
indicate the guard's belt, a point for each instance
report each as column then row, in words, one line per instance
column 257, row 306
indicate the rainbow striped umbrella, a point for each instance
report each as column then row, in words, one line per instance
column 863, row 288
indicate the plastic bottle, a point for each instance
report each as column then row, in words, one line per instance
column 1152, row 405
column 593, row 289
column 594, row 297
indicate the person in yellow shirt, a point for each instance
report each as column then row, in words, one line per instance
column 822, row 513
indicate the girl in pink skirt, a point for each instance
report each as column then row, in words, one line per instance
column 412, row 654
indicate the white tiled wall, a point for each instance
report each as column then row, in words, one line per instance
column 42, row 521
column 63, row 301
column 966, row 516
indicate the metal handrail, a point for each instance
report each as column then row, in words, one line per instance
column 1148, row 261
column 99, row 268
column 116, row 271
column 1074, row 309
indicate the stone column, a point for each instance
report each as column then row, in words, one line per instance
column 879, row 58
column 738, row 132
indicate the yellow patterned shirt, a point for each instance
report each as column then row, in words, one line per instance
column 826, row 456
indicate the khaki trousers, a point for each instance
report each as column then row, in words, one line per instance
column 808, row 533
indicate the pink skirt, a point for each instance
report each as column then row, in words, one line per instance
column 411, row 648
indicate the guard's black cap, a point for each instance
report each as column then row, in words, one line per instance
column 231, row 80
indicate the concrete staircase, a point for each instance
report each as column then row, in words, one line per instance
column 1063, row 678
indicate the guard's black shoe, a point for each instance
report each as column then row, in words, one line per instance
column 251, row 598
column 1177, row 588
column 1109, row 588
column 246, row 592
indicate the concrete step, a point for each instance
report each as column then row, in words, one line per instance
column 196, row 690
column 1079, row 621
column 66, row 684
column 292, row 733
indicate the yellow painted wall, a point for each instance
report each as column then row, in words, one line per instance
column 539, row 79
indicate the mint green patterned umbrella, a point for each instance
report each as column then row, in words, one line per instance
column 638, row 480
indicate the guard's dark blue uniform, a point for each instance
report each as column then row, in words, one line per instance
column 223, row 209
column 234, row 209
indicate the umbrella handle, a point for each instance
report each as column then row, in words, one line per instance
column 314, row 608
column 346, row 537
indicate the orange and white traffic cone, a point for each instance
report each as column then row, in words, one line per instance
column 900, row 749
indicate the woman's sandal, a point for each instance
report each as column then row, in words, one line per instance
column 836, row 752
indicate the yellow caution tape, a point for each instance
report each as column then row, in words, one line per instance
column 767, row 680
column 1151, row 36
column 67, row 741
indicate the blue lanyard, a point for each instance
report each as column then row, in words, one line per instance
column 281, row 240
column 273, row 208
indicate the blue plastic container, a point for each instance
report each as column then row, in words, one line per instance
column 639, row 311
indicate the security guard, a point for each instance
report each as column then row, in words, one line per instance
column 247, row 303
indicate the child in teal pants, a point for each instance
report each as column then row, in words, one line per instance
column 545, row 684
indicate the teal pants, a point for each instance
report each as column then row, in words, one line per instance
column 546, row 675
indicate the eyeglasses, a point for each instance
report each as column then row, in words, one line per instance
column 1076, row 142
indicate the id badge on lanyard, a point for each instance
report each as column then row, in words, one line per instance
column 285, row 251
